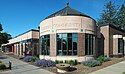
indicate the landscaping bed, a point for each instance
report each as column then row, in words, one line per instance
column 4, row 66
column 81, row 69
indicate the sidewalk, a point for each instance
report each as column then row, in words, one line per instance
column 20, row 67
column 118, row 68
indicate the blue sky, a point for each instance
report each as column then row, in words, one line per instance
column 18, row 16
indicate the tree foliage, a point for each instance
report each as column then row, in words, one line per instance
column 1, row 27
column 108, row 14
column 121, row 17
column 4, row 37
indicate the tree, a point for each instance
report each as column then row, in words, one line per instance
column 1, row 29
column 4, row 37
column 121, row 17
column 108, row 14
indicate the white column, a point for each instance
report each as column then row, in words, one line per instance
column 23, row 49
column 14, row 49
column 20, row 49
column 17, row 49
column 124, row 44
column 115, row 44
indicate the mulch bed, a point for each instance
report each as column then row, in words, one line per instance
column 81, row 69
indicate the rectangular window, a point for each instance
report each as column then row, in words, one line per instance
column 75, row 46
column 45, row 46
column 89, row 44
column 67, row 43
column 120, row 45
column 70, row 46
column 59, row 46
column 64, row 46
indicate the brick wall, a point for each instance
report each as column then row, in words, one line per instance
column 108, row 32
column 52, row 44
column 81, row 44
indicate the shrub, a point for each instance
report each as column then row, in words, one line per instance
column 91, row 63
column 37, row 55
column 30, row 58
column 45, row 63
column 57, row 61
column 27, row 58
column 0, row 61
column 3, row 57
column 66, row 61
column 2, row 66
column 107, row 59
column 50, row 63
column 103, row 59
column 75, row 62
column 34, row 58
column 71, row 62
column 61, row 61
column 42, row 63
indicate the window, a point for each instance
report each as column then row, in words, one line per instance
column 67, row 44
column 45, row 44
column 70, row 46
column 120, row 45
column 74, row 42
column 89, row 43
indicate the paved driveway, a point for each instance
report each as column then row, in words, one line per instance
column 118, row 68
column 20, row 67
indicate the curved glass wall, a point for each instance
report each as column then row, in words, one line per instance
column 67, row 43
column 89, row 44
column 45, row 45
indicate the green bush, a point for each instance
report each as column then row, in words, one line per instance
column 66, row 61
column 2, row 66
column 34, row 58
column 103, row 59
column 57, row 61
column 91, row 63
column 61, row 61
column 37, row 55
column 71, row 62
column 0, row 61
column 75, row 62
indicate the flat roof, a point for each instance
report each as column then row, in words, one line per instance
column 26, row 32
column 112, row 26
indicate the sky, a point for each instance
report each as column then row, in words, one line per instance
column 19, row 16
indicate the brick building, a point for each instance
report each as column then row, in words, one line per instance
column 69, row 35
column 23, row 44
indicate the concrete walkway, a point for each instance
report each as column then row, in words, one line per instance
column 20, row 67
column 118, row 68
